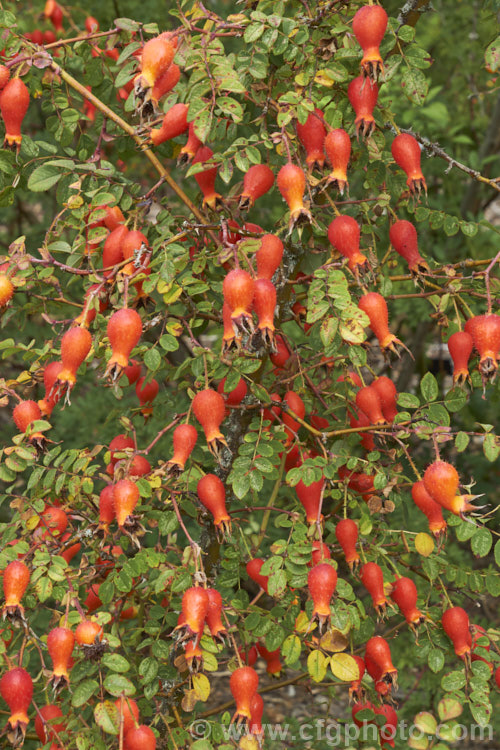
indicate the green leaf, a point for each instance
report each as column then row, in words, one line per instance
column 415, row 85
column 152, row 359
column 253, row 32
column 453, row 681
column 115, row 662
column 408, row 401
column 481, row 713
column 43, row 178
column 83, row 692
column 435, row 660
column 148, row 669
column 429, row 387
column 277, row 583
column 455, row 399
column 491, row 447
column 451, row 225
column 461, row 441
column 497, row 553
column 118, row 685
column 481, row 542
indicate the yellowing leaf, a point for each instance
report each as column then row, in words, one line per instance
column 316, row 665
column 107, row 717
column 424, row 544
column 201, row 687
column 302, row 624
column 344, row 667
column 426, row 722
column 449, row 708
column 323, row 79
column 334, row 641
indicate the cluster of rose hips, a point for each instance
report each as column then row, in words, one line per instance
column 126, row 256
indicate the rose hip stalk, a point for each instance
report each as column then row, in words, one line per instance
column 372, row 579
column 206, row 179
column 60, row 644
column 485, row 332
column 456, row 625
column 311, row 499
column 124, row 331
column 195, row 603
column 369, row 25
column 404, row 594
column 428, row 506
column 184, row 440
column 75, row 347
column 212, row 496
column 346, row 532
column 268, row 256
column 264, row 304
column 14, row 103
column 344, row 235
column 292, row 184
column 16, row 577
column 460, row 345
column 322, row 582
column 375, row 306
column 312, row 135
column 174, row 124
column 403, row 237
column 406, row 153
column 441, row 482
column 16, row 688
column 338, row 151
column 209, row 409
column 363, row 95
column 320, row 553
column 243, row 684
column 238, row 289
column 379, row 663
column 258, row 180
